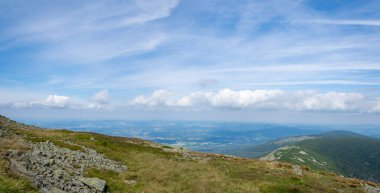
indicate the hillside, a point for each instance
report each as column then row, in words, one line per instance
column 342, row 152
column 35, row 159
column 257, row 151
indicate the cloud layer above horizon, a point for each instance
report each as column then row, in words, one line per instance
column 223, row 99
column 180, row 56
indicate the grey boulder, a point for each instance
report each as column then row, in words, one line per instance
column 96, row 183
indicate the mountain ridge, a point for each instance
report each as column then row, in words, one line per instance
column 343, row 152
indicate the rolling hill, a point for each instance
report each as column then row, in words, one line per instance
column 345, row 153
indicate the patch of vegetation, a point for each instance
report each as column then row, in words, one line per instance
column 67, row 145
column 167, row 147
column 113, row 179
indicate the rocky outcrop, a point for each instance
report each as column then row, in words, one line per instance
column 57, row 169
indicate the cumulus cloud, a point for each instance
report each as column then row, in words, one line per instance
column 194, row 99
column 243, row 98
column 52, row 101
column 331, row 101
column 56, row 101
column 265, row 99
column 158, row 98
column 259, row 99
column 376, row 106
column 101, row 97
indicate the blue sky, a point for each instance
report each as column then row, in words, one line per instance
column 172, row 59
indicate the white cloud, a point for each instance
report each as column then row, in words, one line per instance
column 259, row 99
column 158, row 98
column 194, row 99
column 330, row 101
column 243, row 98
column 52, row 101
column 101, row 97
column 302, row 100
column 376, row 106
column 56, row 101
column 62, row 102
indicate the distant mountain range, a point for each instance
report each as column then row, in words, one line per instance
column 342, row 152
column 211, row 137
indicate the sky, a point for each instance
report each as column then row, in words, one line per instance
column 265, row 61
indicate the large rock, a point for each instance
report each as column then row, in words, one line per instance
column 96, row 183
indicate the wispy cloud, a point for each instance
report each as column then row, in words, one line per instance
column 92, row 32
column 343, row 22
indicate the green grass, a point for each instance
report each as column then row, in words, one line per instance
column 13, row 184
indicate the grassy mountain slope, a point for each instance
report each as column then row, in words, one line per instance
column 256, row 151
column 157, row 168
column 342, row 152
column 246, row 148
